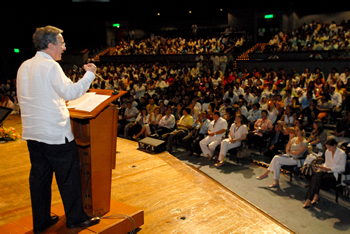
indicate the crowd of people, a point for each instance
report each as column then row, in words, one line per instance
column 156, row 45
column 209, row 105
column 314, row 36
column 202, row 112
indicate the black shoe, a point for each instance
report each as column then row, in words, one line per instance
column 88, row 223
column 316, row 202
column 54, row 220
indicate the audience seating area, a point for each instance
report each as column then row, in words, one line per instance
column 212, row 83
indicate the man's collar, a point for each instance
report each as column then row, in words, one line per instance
column 43, row 54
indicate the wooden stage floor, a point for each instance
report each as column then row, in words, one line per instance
column 175, row 198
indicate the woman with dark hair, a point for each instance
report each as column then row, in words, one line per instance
column 295, row 149
column 324, row 105
column 328, row 173
column 138, row 127
column 296, row 106
column 238, row 132
column 211, row 110
column 288, row 116
column 206, row 101
column 318, row 135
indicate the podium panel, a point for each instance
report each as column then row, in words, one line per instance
column 96, row 137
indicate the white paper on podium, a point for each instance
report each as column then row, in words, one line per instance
column 87, row 102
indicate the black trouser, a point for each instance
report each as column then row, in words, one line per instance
column 320, row 178
column 273, row 152
column 62, row 159
column 191, row 142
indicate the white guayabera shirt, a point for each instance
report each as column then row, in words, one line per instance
column 42, row 89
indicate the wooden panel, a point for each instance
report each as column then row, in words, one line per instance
column 101, row 191
column 103, row 140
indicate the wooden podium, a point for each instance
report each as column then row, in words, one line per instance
column 95, row 133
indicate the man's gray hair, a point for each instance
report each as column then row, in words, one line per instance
column 45, row 35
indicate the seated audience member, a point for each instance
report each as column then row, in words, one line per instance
column 328, row 173
column 139, row 89
column 129, row 116
column 324, row 106
column 154, row 119
column 254, row 114
column 142, row 102
column 277, row 141
column 248, row 97
column 318, row 136
column 151, row 106
column 309, row 114
column 336, row 99
column 183, row 125
column 305, row 101
column 262, row 128
column 342, row 130
column 216, row 131
column 166, row 123
column 200, row 129
column 263, row 103
column 238, row 133
column 288, row 116
column 133, row 129
column 211, row 110
column 6, row 102
column 294, row 150
column 244, row 110
column 238, row 111
column 288, row 97
column 272, row 111
column 223, row 107
column 149, row 128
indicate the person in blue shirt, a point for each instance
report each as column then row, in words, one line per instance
column 200, row 130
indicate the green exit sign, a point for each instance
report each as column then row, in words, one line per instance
column 16, row 50
column 270, row 16
column 116, row 25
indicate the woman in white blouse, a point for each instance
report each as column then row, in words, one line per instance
column 238, row 133
column 153, row 122
column 139, row 125
column 288, row 116
column 328, row 173
column 295, row 149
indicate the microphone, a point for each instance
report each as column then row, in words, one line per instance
column 100, row 77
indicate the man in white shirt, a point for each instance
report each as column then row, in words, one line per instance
column 140, row 89
column 249, row 98
column 337, row 100
column 288, row 97
column 128, row 119
column 166, row 123
column 238, row 89
column 216, row 131
column 42, row 89
column 345, row 76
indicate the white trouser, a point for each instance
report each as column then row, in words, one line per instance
column 226, row 145
column 277, row 162
column 209, row 143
